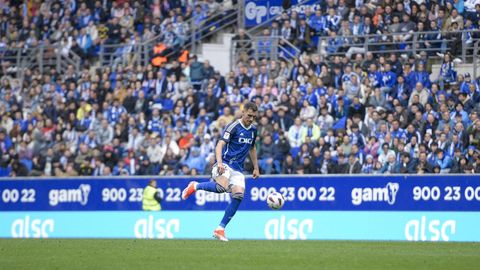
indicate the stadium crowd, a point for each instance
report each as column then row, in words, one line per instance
column 81, row 26
column 342, row 23
column 355, row 113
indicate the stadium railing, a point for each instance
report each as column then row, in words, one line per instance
column 16, row 60
column 216, row 24
column 376, row 44
column 476, row 58
column 141, row 52
column 389, row 43
column 273, row 48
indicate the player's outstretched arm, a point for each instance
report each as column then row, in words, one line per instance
column 218, row 156
column 253, row 157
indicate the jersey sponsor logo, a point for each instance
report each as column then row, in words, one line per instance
column 245, row 140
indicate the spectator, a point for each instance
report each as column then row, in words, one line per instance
column 310, row 130
column 145, row 167
column 326, row 164
column 105, row 133
column 196, row 160
column 390, row 165
column 154, row 151
column 197, row 72
column 294, row 133
column 354, row 166
column 243, row 44
column 325, row 121
column 308, row 167
column 281, row 149
column 135, row 139
column 406, row 165
column 285, row 121
column 288, row 166
column 266, row 155
column 303, row 34
column 342, row 165
column 368, row 166
column 443, row 161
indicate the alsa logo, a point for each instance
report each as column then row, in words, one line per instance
column 36, row 228
column 160, row 228
column 79, row 195
column 202, row 197
column 292, row 229
column 382, row 194
column 245, row 140
column 429, row 230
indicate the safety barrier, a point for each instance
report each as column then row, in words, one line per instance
column 400, row 207
column 14, row 61
column 261, row 47
column 413, row 43
column 137, row 52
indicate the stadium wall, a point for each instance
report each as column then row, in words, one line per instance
column 402, row 208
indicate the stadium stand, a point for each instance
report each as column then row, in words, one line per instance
column 346, row 88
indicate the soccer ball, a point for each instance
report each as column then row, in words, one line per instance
column 275, row 200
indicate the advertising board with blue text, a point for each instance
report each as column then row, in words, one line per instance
column 325, row 193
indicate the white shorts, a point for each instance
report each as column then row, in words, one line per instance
column 235, row 178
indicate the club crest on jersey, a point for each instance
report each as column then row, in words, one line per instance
column 245, row 140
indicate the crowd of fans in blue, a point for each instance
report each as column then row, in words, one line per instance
column 349, row 114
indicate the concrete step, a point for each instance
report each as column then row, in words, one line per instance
column 461, row 69
column 218, row 53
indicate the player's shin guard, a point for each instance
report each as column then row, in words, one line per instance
column 211, row 186
column 231, row 208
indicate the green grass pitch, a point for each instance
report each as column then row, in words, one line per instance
column 204, row 254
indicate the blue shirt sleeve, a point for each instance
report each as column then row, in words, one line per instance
column 228, row 132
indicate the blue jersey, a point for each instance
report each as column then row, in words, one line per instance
column 240, row 140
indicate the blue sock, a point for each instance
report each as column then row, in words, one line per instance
column 231, row 209
column 211, row 186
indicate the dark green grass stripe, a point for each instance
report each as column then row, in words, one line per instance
column 202, row 254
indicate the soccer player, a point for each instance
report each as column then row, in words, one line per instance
column 237, row 142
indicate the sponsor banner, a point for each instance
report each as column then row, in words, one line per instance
column 326, row 193
column 259, row 11
column 291, row 225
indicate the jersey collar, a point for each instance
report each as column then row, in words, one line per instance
column 241, row 123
